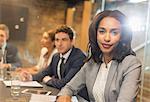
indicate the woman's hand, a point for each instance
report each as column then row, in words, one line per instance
column 63, row 99
column 26, row 76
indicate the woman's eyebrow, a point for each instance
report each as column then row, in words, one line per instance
column 101, row 28
column 115, row 29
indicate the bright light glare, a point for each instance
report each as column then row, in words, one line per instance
column 136, row 23
column 136, row 1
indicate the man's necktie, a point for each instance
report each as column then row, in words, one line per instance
column 62, row 67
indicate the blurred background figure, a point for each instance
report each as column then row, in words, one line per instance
column 47, row 51
column 8, row 53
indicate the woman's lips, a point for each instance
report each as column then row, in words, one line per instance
column 106, row 46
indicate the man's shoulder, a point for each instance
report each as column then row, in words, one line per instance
column 77, row 51
column 77, row 54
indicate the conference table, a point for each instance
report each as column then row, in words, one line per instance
column 5, row 95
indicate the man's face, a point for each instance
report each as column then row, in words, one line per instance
column 3, row 37
column 62, row 42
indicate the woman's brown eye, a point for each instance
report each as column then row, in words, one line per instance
column 101, row 31
column 115, row 32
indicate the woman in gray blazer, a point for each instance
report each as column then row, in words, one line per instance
column 112, row 71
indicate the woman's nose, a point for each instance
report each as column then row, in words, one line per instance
column 107, row 37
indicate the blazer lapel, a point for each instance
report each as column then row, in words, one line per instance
column 92, row 77
column 68, row 61
column 110, row 77
column 56, row 60
column 65, row 68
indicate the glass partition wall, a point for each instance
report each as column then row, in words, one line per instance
column 145, row 92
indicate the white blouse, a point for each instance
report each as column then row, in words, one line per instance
column 99, row 85
column 41, row 61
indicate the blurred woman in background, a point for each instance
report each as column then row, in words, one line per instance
column 47, row 51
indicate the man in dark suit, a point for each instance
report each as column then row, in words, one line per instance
column 8, row 53
column 57, row 75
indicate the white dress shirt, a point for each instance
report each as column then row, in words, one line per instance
column 65, row 56
column 3, row 53
column 41, row 61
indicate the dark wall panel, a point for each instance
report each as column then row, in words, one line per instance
column 16, row 18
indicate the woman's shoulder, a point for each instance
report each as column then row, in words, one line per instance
column 129, row 63
column 44, row 50
column 131, row 59
column 90, row 63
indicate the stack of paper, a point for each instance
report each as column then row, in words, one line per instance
column 45, row 98
column 25, row 84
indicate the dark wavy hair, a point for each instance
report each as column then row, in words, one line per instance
column 124, row 46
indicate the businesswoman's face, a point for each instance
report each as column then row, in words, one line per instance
column 108, row 34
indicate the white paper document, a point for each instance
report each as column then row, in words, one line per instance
column 45, row 98
column 25, row 84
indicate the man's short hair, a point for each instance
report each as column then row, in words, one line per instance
column 66, row 29
column 5, row 28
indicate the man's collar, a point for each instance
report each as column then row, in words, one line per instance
column 66, row 55
column 3, row 47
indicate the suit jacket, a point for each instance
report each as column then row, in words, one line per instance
column 11, row 56
column 72, row 66
column 122, row 82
